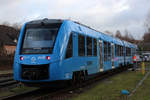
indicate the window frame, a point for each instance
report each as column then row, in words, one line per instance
column 89, row 45
column 94, row 47
column 81, row 52
column 105, row 50
column 71, row 35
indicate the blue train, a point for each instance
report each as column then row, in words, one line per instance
column 50, row 50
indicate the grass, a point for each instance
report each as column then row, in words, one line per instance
column 143, row 92
column 110, row 89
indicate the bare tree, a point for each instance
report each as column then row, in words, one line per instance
column 17, row 27
column 147, row 21
column 146, row 37
column 118, row 34
column 127, row 37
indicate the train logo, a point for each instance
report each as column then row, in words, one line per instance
column 33, row 59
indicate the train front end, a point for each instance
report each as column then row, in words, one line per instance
column 35, row 52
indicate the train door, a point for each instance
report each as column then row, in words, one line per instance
column 101, row 56
column 112, row 55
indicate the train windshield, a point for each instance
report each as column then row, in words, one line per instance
column 39, row 40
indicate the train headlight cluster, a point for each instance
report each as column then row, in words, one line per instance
column 21, row 58
column 48, row 57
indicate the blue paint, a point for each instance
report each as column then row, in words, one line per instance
column 61, row 68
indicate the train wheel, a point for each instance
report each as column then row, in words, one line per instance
column 81, row 78
column 78, row 79
column 72, row 82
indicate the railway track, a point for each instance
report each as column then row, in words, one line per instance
column 6, row 75
column 19, row 95
column 76, row 89
column 46, row 94
column 6, row 82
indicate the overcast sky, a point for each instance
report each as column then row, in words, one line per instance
column 101, row 15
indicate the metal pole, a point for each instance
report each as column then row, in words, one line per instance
column 143, row 68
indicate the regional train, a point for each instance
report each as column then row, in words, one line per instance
column 50, row 50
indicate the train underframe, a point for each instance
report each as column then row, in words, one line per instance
column 78, row 77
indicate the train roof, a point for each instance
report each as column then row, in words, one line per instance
column 118, row 41
column 106, row 37
column 86, row 30
column 127, row 44
column 133, row 45
column 46, row 21
column 81, row 28
column 130, row 45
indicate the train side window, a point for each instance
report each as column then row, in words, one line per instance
column 126, row 51
column 118, row 50
column 109, row 51
column 129, row 51
column 95, row 47
column 89, row 46
column 105, row 51
column 69, row 51
column 116, row 47
column 81, row 45
column 133, row 52
column 121, row 50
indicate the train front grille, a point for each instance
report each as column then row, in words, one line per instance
column 35, row 72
